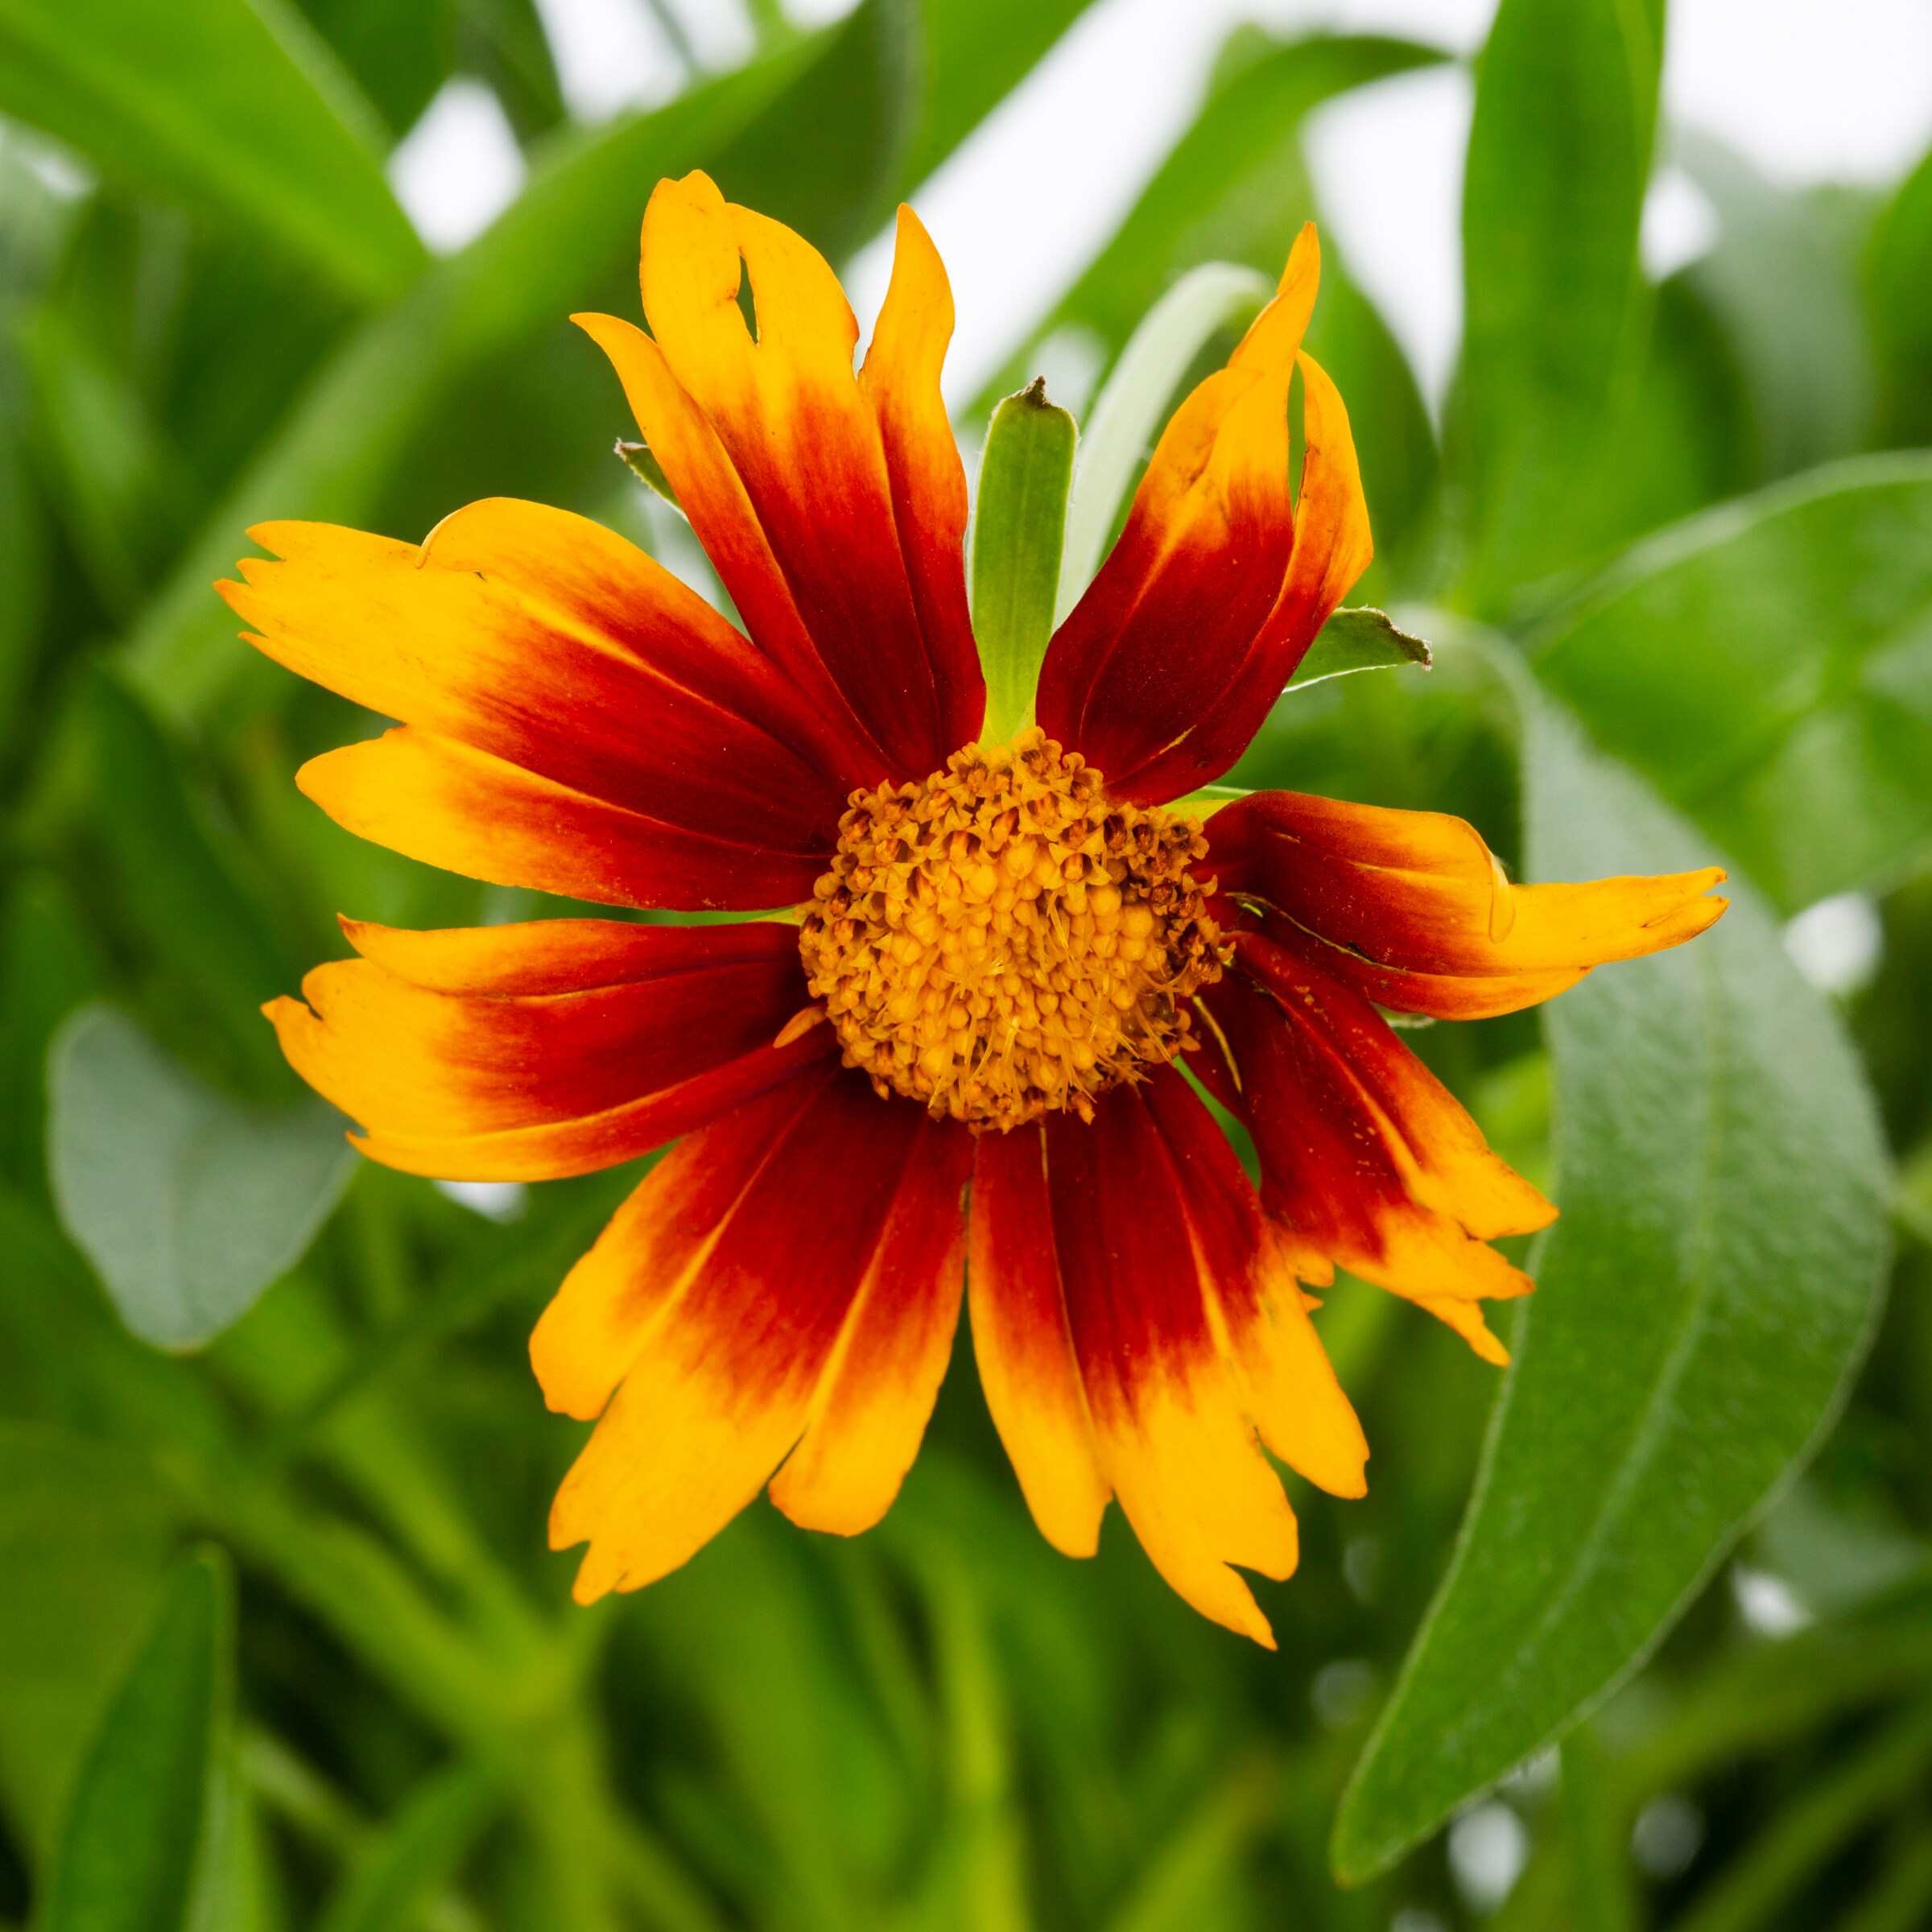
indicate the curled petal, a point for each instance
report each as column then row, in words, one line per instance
column 527, row 1052
column 1368, row 1162
column 1164, row 671
column 1417, row 914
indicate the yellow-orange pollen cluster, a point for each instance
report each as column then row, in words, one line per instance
column 1004, row 939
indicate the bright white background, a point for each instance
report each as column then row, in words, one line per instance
column 1811, row 90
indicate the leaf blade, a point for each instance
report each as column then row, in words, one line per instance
column 1700, row 1306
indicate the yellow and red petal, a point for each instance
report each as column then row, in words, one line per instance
column 853, row 490
column 1164, row 671
column 1176, row 1443
column 719, row 1300
column 1417, row 914
column 546, row 642
column 542, row 1053
column 450, row 805
column 1368, row 1162
column 1023, row 1347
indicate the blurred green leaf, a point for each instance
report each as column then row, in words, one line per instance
column 1393, row 440
column 188, row 1205
column 416, row 1854
column 1768, row 666
column 118, row 484
column 1783, row 281
column 1898, row 281
column 1358, row 640
column 48, row 966
column 1555, row 305
column 1018, row 518
column 179, row 879
column 235, row 106
column 85, row 1532
column 23, row 579
column 1129, row 412
column 1699, row 1308
column 140, row 1809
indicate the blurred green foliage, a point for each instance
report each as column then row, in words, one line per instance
column 280, row 1646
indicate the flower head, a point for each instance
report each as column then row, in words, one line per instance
column 956, row 1066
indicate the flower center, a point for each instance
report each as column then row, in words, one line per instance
column 1004, row 939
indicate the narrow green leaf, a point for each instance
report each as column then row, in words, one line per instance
column 1898, row 280
column 1131, row 408
column 1559, row 159
column 1018, row 524
column 235, row 106
column 1358, row 640
column 127, row 1854
column 1783, row 280
column 85, row 1535
column 188, row 1204
column 181, row 880
column 1768, row 666
column 418, row 1852
column 1700, row 1307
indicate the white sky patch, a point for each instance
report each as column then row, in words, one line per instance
column 1838, row 942
column 494, row 1200
column 1488, row 1850
column 1388, row 166
column 458, row 168
column 610, row 55
column 1680, row 223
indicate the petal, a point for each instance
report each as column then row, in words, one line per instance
column 1166, row 668
column 468, row 811
column 1332, row 548
column 807, row 448
column 1181, row 596
column 1367, row 1162
column 1287, row 1383
column 712, row 496
column 876, row 1395
column 1175, row 1442
column 713, row 1304
column 1023, row 1345
column 1419, row 916
column 507, row 1075
column 551, row 643
column 901, row 382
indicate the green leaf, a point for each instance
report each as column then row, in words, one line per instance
column 235, row 107
column 85, row 1533
column 1018, row 520
column 1128, row 415
column 418, row 1852
column 188, row 1204
column 1699, row 1308
column 1559, row 158
column 1898, row 282
column 1768, row 666
column 181, row 880
column 48, row 966
column 1358, row 640
column 141, row 1811
column 637, row 459
column 1783, row 282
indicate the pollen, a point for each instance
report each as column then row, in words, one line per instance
column 1004, row 939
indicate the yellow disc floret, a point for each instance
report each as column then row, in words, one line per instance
column 1004, row 939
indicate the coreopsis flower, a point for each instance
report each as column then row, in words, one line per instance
column 959, row 1062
